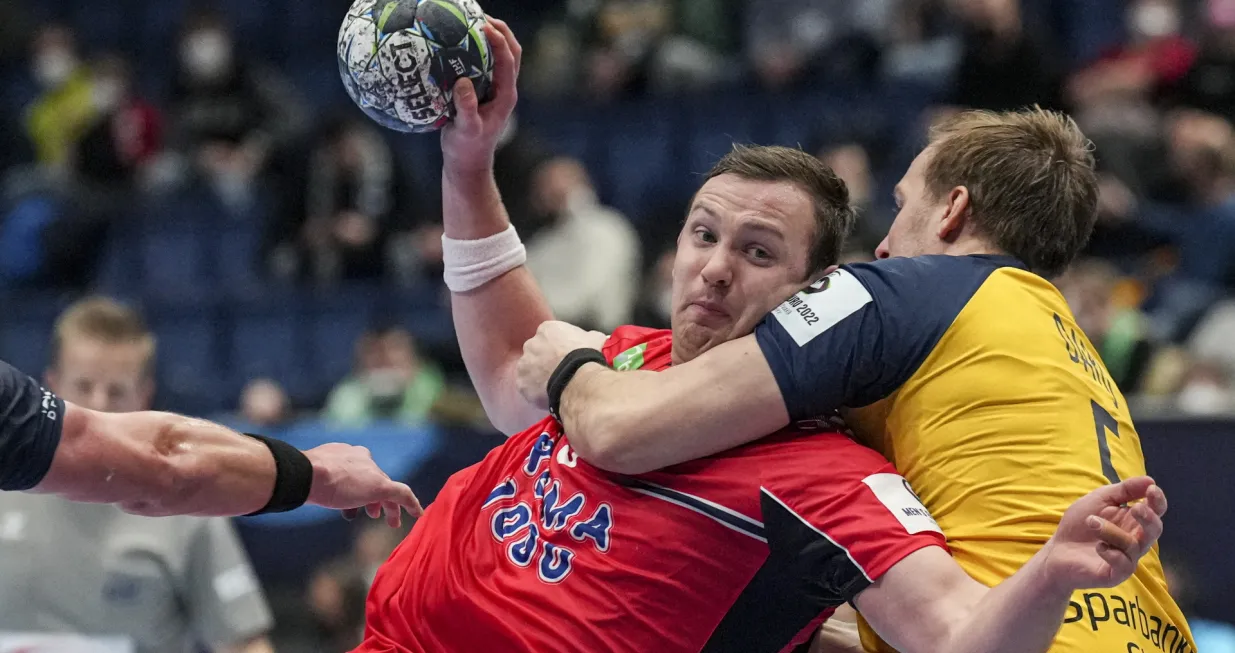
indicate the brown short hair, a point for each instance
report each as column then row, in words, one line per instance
column 1031, row 180
column 102, row 320
column 834, row 217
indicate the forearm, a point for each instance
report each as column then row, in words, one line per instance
column 1020, row 615
column 493, row 321
column 634, row 422
column 159, row 464
column 927, row 604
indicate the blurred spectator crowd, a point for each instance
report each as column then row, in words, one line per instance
column 176, row 152
column 200, row 161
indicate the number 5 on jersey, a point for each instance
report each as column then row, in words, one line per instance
column 1104, row 421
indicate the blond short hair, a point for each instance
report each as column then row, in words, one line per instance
column 106, row 321
column 1030, row 175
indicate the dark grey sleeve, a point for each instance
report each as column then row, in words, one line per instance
column 31, row 421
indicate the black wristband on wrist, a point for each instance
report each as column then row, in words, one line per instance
column 565, row 372
column 293, row 476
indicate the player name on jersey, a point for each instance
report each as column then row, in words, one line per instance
column 521, row 526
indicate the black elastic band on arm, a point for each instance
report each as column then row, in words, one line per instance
column 565, row 372
column 293, row 476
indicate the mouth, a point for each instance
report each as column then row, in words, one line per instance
column 710, row 308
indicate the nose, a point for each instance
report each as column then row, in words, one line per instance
column 98, row 400
column 884, row 250
column 718, row 271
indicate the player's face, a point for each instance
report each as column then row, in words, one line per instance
column 912, row 232
column 744, row 249
column 100, row 376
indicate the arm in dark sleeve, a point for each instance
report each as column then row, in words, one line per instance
column 856, row 336
column 31, row 421
column 849, row 340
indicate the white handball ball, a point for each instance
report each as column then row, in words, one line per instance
column 399, row 59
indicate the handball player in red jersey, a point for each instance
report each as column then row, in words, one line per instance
column 535, row 550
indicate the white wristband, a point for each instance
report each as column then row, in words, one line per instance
column 470, row 264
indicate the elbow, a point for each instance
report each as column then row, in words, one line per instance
column 512, row 420
column 609, row 442
column 509, row 420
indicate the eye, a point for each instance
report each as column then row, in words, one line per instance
column 759, row 254
column 705, row 236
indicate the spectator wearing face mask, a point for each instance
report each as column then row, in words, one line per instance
column 229, row 115
column 127, row 131
column 585, row 256
column 354, row 212
column 53, row 222
column 64, row 109
column 393, row 382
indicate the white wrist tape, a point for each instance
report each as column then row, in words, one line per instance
column 470, row 264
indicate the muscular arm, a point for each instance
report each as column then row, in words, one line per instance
column 493, row 321
column 634, row 422
column 852, row 339
column 159, row 464
column 928, row 604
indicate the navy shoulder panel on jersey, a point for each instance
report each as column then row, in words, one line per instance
column 858, row 335
column 31, row 420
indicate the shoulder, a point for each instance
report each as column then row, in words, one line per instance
column 920, row 295
column 927, row 280
column 625, row 338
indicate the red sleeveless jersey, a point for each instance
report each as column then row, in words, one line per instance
column 533, row 549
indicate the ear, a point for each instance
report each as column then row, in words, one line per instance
column 956, row 213
column 51, row 379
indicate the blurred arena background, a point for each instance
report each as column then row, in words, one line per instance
column 201, row 163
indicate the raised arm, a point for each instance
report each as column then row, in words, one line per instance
column 495, row 317
column 927, row 604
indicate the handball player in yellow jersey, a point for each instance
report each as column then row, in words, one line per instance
column 953, row 355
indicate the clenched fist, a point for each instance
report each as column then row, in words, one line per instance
column 545, row 351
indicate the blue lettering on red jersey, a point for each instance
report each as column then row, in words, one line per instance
column 745, row 551
column 514, row 525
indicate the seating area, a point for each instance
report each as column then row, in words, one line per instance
column 195, row 270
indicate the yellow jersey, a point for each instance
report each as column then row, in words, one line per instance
column 970, row 375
